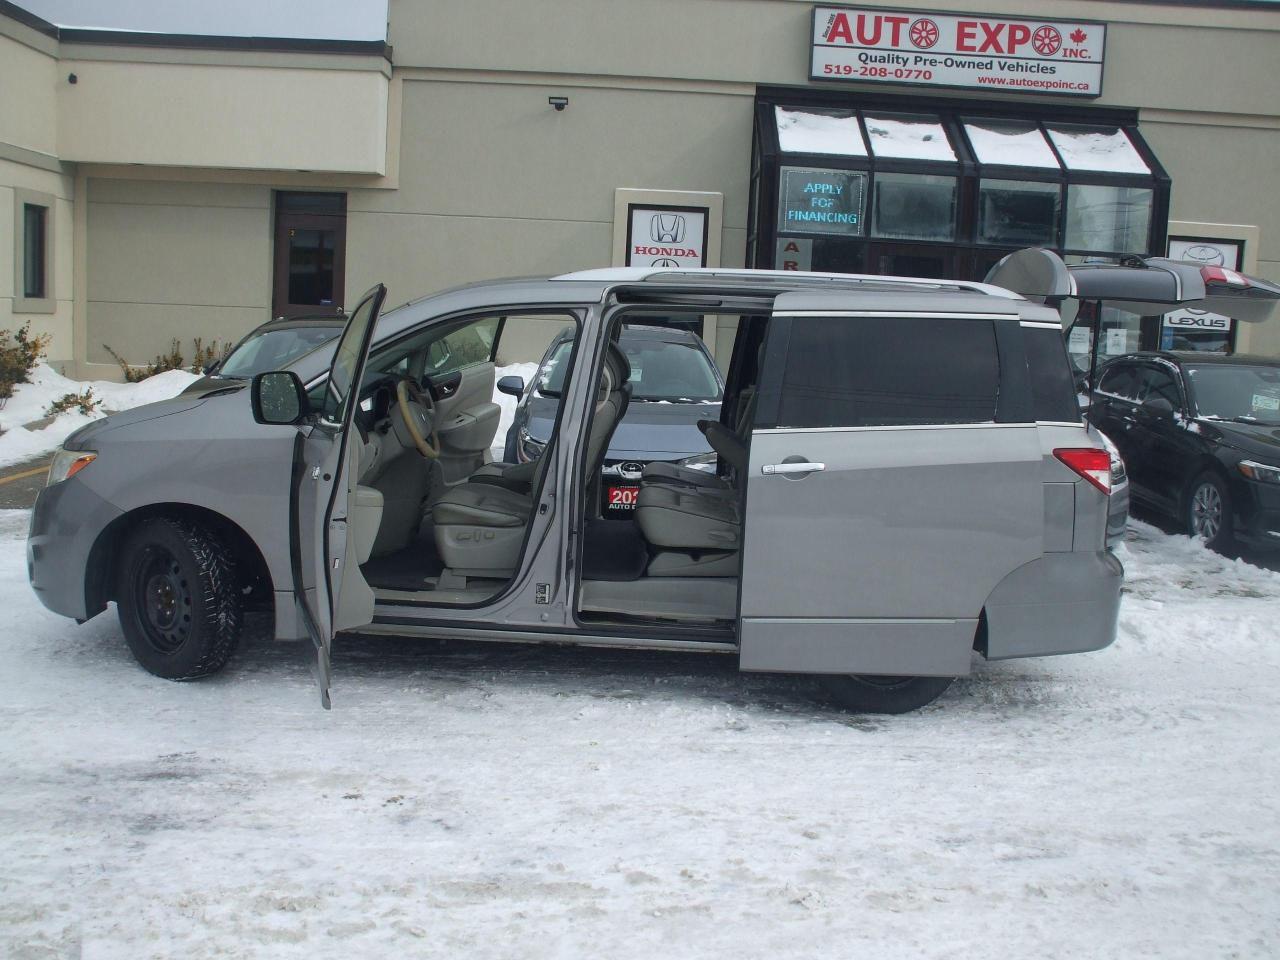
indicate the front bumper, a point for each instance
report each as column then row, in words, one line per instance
column 65, row 523
column 1257, row 512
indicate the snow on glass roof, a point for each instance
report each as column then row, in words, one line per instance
column 908, row 138
column 1010, row 143
column 804, row 131
column 1102, row 149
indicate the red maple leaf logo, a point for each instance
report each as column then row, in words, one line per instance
column 1078, row 35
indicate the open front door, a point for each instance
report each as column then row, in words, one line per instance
column 329, row 590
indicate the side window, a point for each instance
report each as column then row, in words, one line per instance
column 1053, row 388
column 870, row 371
column 1119, row 381
column 469, row 344
column 1157, row 382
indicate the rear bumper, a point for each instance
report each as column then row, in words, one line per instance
column 1060, row 603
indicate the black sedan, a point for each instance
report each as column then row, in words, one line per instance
column 674, row 384
column 272, row 346
column 1200, row 437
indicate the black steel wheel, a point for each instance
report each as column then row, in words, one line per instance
column 1208, row 512
column 875, row 694
column 178, row 599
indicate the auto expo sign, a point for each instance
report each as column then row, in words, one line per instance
column 973, row 51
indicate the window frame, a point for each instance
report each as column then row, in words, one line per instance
column 48, row 302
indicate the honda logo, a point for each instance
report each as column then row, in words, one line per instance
column 665, row 262
column 667, row 228
column 631, row 470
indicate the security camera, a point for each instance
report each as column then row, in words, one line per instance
column 558, row 102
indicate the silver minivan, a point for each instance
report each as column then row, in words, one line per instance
column 902, row 479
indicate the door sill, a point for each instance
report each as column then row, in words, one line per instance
column 591, row 636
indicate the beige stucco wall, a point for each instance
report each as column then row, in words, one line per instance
column 174, row 259
column 28, row 164
column 210, row 115
column 491, row 181
column 28, row 78
column 516, row 188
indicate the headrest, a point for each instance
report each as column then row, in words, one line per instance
column 618, row 362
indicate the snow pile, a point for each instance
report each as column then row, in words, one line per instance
column 1108, row 151
column 492, row 800
column 1010, row 145
column 508, row 404
column 803, row 131
column 30, row 402
column 909, row 139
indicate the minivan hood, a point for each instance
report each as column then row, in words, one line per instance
column 149, row 411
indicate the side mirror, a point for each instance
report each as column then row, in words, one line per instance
column 1157, row 407
column 278, row 398
column 512, row 386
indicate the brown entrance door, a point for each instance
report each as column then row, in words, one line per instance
column 310, row 254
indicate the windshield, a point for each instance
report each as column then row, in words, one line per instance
column 1247, row 394
column 275, row 350
column 672, row 372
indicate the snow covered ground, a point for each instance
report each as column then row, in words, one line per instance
column 468, row 800
column 30, row 401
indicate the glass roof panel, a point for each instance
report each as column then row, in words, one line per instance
column 909, row 138
column 1013, row 143
column 1099, row 149
column 810, row 131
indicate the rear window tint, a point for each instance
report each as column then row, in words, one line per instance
column 1053, row 389
column 872, row 372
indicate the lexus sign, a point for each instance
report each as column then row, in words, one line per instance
column 971, row 51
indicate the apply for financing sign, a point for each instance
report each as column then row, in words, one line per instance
column 973, row 51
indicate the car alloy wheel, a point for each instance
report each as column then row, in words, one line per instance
column 1206, row 512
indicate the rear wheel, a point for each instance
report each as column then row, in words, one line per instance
column 868, row 694
column 178, row 599
column 1208, row 512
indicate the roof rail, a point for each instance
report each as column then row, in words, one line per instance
column 781, row 278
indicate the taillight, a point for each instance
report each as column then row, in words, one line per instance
column 1223, row 275
column 1091, row 463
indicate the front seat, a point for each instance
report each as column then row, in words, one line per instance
column 479, row 526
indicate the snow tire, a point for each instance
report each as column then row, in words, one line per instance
column 179, row 599
column 866, row 694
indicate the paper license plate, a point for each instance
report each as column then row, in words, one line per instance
column 621, row 498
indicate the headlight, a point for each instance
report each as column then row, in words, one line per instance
column 67, row 463
column 1262, row 472
column 528, row 449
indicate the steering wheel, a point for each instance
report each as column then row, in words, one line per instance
column 418, row 410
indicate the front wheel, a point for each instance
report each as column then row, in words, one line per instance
column 868, row 694
column 178, row 599
column 1208, row 512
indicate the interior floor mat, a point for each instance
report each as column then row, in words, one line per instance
column 613, row 550
column 406, row 569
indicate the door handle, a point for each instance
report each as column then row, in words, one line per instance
column 769, row 469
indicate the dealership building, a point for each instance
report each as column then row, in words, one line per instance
column 159, row 186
